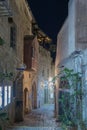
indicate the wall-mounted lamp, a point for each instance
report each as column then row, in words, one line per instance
column 22, row 67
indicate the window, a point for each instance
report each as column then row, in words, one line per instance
column 5, row 96
column 13, row 36
column 0, row 97
column 14, row 89
column 43, row 73
column 9, row 94
column 33, row 52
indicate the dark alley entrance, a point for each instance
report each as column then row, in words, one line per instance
column 39, row 119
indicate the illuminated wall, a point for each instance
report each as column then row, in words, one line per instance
column 44, row 73
column 12, row 31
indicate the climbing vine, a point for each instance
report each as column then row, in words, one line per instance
column 70, row 100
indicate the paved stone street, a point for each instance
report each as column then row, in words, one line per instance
column 39, row 119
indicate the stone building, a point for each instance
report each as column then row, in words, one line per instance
column 72, row 44
column 31, row 51
column 15, row 26
column 20, row 58
column 45, row 73
column 77, row 24
column 61, row 53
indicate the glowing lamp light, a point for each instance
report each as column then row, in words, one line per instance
column 22, row 67
column 50, row 79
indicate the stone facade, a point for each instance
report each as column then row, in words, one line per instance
column 61, row 53
column 30, row 78
column 45, row 72
column 62, row 48
column 26, row 82
column 11, row 53
column 77, row 24
column 71, row 42
column 81, row 66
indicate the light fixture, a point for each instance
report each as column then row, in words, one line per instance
column 22, row 67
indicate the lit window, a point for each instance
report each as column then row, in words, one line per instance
column 5, row 96
column 9, row 94
column 0, row 97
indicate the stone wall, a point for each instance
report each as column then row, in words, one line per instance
column 61, row 53
column 44, row 73
column 11, row 58
column 71, row 26
column 25, row 84
column 71, row 39
column 77, row 16
column 62, row 43
column 81, row 24
column 30, row 77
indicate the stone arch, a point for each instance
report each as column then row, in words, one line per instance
column 26, row 100
column 34, row 96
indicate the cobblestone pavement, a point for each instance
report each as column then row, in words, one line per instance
column 39, row 119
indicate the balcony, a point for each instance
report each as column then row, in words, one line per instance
column 30, row 53
column 4, row 8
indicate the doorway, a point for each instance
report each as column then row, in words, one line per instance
column 34, row 96
column 26, row 100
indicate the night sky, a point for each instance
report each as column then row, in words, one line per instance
column 50, row 15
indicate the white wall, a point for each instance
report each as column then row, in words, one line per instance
column 71, row 26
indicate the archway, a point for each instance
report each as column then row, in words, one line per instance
column 34, row 96
column 26, row 100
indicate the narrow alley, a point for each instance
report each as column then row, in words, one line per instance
column 43, row 66
column 38, row 119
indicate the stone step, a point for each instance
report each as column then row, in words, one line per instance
column 32, row 128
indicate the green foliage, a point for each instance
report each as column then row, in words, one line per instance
column 0, row 128
column 7, row 75
column 2, row 41
column 71, row 102
column 3, row 118
column 4, row 115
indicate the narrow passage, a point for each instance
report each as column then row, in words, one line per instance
column 39, row 119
